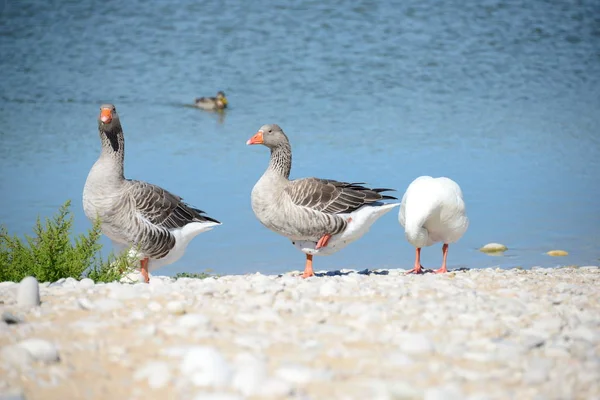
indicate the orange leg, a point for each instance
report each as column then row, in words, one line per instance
column 144, row 270
column 418, row 269
column 308, row 269
column 323, row 241
column 443, row 268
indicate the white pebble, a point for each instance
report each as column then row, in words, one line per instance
column 40, row 350
column 205, row 366
column 123, row 292
column 176, row 307
column 29, row 292
column 274, row 388
column 15, row 355
column 329, row 288
column 154, row 306
column 250, row 375
column 108, row 304
column 449, row 392
column 70, row 282
column 13, row 395
column 85, row 304
column 86, row 283
column 295, row 374
column 416, row 344
column 193, row 321
column 156, row 373
column 217, row 396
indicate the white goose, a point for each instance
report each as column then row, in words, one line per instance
column 432, row 210
column 319, row 216
column 158, row 224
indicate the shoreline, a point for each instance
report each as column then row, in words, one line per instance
column 474, row 334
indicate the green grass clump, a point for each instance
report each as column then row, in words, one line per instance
column 195, row 275
column 50, row 254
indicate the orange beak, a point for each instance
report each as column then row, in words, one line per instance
column 105, row 115
column 256, row 139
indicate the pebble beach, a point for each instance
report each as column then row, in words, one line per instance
column 473, row 334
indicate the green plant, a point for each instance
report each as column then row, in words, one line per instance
column 50, row 254
column 195, row 275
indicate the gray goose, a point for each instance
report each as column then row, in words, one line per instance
column 157, row 223
column 319, row 216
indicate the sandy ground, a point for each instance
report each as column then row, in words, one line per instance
column 477, row 334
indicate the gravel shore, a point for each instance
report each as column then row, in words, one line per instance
column 475, row 334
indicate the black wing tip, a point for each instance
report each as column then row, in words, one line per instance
column 386, row 197
column 201, row 215
column 206, row 217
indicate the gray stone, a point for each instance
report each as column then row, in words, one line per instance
column 40, row 350
column 11, row 318
column 29, row 292
column 157, row 374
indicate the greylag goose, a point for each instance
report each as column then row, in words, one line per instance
column 432, row 210
column 319, row 216
column 158, row 224
column 212, row 103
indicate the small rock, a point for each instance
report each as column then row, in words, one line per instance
column 57, row 283
column 250, row 376
column 416, row 344
column 557, row 253
column 29, row 292
column 85, row 304
column 147, row 331
column 493, row 248
column 86, row 283
column 10, row 318
column 217, row 396
column 154, row 306
column 274, row 388
column 536, row 372
column 205, row 366
column 70, row 282
column 108, row 304
column 123, row 292
column 585, row 333
column 176, row 307
column 13, row 395
column 193, row 321
column 329, row 288
column 449, row 392
column 295, row 374
column 40, row 350
column 156, row 373
column 17, row 356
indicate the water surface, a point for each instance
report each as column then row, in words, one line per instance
column 501, row 96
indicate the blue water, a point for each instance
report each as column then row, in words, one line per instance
column 501, row 96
